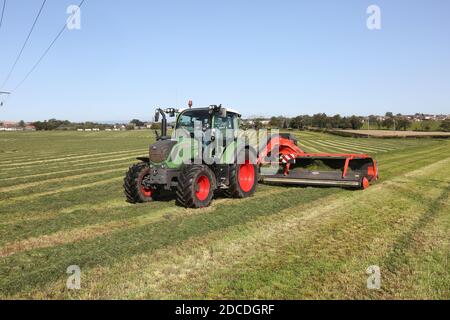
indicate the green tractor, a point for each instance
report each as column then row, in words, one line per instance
column 189, row 166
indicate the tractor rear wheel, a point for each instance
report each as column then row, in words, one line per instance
column 243, row 180
column 134, row 190
column 196, row 185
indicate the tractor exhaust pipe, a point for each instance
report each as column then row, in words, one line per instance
column 163, row 122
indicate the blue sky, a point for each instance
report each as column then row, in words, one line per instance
column 261, row 57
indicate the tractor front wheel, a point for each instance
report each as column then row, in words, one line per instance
column 135, row 191
column 196, row 186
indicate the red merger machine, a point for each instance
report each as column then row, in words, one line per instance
column 320, row 169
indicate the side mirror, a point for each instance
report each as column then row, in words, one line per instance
column 156, row 116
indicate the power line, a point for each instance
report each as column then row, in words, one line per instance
column 46, row 51
column 3, row 12
column 24, row 45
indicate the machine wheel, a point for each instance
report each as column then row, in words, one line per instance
column 132, row 184
column 243, row 179
column 196, row 186
column 364, row 183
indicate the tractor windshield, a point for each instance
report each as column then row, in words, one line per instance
column 194, row 119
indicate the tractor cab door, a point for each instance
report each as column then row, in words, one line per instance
column 225, row 127
column 224, row 132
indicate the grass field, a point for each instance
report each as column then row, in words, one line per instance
column 61, row 204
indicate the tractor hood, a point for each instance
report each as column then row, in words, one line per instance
column 160, row 150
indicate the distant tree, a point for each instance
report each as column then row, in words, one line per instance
column 445, row 125
column 389, row 115
column 356, row 122
column 335, row 121
column 319, row 120
column 296, row 123
column 300, row 122
column 137, row 122
column 276, row 122
column 345, row 123
column 379, row 123
column 307, row 121
column 285, row 124
column 39, row 125
column 402, row 123
column 257, row 124
column 388, row 123
column 425, row 126
column 22, row 124
column 373, row 121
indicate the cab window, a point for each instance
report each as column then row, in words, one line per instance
column 224, row 123
column 192, row 119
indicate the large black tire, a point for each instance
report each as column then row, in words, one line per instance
column 196, row 185
column 243, row 184
column 132, row 184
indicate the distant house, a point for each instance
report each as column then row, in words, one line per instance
column 10, row 126
column 30, row 127
column 11, row 129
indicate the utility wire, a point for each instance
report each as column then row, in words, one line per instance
column 46, row 51
column 24, row 45
column 3, row 12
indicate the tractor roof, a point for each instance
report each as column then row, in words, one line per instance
column 207, row 109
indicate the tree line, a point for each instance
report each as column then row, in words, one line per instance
column 319, row 120
column 54, row 124
column 323, row 121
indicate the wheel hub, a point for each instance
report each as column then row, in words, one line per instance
column 246, row 176
column 202, row 188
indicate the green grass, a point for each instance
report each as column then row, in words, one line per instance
column 61, row 203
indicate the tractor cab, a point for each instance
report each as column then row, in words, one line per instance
column 215, row 120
